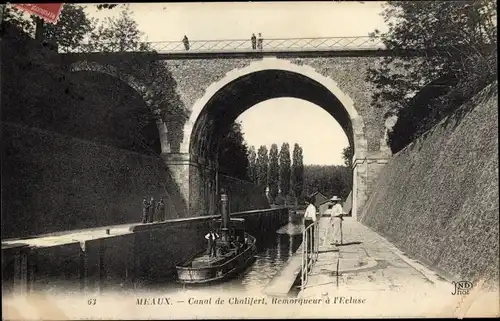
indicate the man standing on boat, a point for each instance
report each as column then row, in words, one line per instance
column 211, row 236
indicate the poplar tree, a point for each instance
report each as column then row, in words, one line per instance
column 262, row 165
column 284, row 165
column 273, row 174
column 297, row 172
column 252, row 163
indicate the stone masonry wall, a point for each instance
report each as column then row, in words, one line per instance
column 437, row 199
column 52, row 182
column 194, row 76
column 350, row 75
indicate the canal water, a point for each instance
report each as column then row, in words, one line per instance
column 274, row 250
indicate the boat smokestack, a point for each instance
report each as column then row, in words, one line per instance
column 224, row 215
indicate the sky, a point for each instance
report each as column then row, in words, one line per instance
column 276, row 120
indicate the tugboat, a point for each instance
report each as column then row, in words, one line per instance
column 235, row 251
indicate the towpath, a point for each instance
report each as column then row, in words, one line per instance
column 369, row 276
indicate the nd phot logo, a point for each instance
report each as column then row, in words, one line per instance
column 462, row 287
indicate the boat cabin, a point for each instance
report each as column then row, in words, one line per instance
column 225, row 248
column 236, row 228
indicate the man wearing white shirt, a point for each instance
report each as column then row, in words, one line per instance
column 310, row 218
column 211, row 237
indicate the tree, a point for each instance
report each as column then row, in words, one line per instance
column 68, row 33
column 262, row 165
column 16, row 17
column 460, row 37
column 117, row 34
column 273, row 176
column 284, row 163
column 252, row 163
column 347, row 154
column 233, row 153
column 297, row 179
column 329, row 180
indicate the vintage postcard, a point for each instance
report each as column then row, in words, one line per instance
column 249, row 160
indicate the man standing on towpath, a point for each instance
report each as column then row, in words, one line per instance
column 336, row 213
column 310, row 218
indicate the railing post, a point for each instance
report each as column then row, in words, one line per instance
column 309, row 253
column 302, row 266
column 317, row 241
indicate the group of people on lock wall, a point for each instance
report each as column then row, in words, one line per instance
column 153, row 211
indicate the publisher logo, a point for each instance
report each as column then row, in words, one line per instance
column 462, row 287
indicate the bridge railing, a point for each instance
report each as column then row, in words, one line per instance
column 269, row 44
column 309, row 253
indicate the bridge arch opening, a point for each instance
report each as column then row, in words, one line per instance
column 248, row 90
column 268, row 79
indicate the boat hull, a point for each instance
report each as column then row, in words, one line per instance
column 187, row 274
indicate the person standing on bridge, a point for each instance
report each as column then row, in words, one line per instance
column 185, row 41
column 309, row 219
column 145, row 210
column 260, row 42
column 336, row 213
column 254, row 41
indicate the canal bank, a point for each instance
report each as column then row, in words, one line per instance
column 94, row 261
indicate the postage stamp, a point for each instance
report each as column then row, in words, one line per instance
column 47, row 11
column 330, row 159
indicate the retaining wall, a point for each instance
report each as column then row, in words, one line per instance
column 437, row 199
column 52, row 182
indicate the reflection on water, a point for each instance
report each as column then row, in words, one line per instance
column 271, row 257
column 273, row 251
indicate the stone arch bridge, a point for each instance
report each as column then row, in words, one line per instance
column 214, row 88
